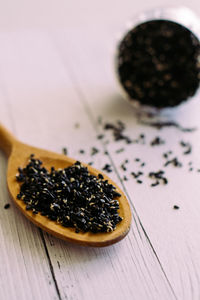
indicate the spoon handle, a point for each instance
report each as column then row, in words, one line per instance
column 7, row 140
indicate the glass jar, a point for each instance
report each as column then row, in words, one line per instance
column 180, row 15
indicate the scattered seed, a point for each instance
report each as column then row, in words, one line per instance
column 139, row 181
column 187, row 146
column 100, row 136
column 117, row 131
column 157, row 141
column 160, row 125
column 159, row 176
column 64, row 150
column 119, row 150
column 107, row 168
column 136, row 175
column 123, row 167
column 175, row 162
column 167, row 154
column 176, row 207
column 7, row 205
column 94, row 151
column 155, row 183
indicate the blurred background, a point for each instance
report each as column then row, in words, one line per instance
column 51, row 14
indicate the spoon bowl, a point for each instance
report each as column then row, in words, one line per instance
column 18, row 156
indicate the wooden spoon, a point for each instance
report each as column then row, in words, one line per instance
column 18, row 156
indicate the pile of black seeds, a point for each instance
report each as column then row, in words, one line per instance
column 158, row 63
column 71, row 196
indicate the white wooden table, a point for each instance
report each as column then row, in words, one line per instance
column 56, row 80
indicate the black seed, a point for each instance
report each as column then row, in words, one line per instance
column 139, row 181
column 157, row 141
column 28, row 207
column 64, row 151
column 117, row 131
column 136, row 175
column 123, row 167
column 165, row 181
column 160, row 125
column 119, row 150
column 19, row 195
column 100, row 136
column 107, row 168
column 100, row 176
column 6, row 206
column 155, row 183
column 82, row 151
column 188, row 147
column 159, row 176
column 175, row 162
column 176, row 207
column 94, row 151
column 116, row 194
